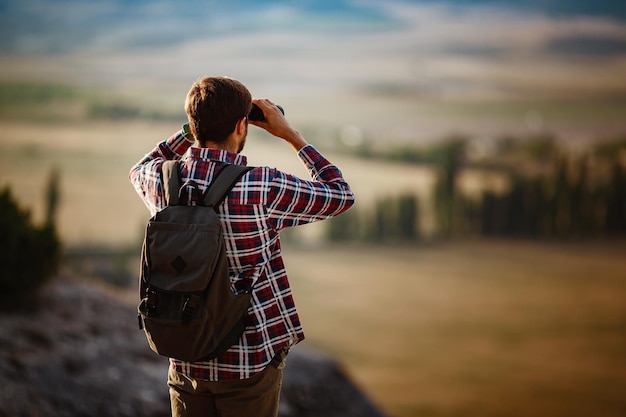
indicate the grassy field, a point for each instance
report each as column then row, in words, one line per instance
column 478, row 328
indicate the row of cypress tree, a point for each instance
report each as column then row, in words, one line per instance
column 571, row 200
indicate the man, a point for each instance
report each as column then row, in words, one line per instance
column 246, row 379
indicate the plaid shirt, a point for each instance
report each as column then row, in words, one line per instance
column 264, row 201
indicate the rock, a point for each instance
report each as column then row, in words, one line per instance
column 77, row 351
column 314, row 385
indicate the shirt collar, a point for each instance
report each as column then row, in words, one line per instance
column 220, row 155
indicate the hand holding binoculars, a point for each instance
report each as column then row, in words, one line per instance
column 256, row 114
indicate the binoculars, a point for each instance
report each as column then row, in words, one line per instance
column 256, row 114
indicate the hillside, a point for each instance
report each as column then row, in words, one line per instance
column 77, row 351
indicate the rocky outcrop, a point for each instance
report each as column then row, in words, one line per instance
column 77, row 351
column 315, row 386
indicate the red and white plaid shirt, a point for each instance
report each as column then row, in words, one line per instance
column 262, row 203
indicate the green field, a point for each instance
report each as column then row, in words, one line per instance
column 475, row 328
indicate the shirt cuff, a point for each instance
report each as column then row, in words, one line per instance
column 187, row 134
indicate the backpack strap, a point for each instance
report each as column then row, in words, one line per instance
column 217, row 191
column 170, row 179
column 221, row 185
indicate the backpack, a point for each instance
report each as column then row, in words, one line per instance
column 188, row 310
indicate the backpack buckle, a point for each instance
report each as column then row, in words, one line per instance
column 189, row 193
column 151, row 300
column 191, row 302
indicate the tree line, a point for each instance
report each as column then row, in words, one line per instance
column 580, row 196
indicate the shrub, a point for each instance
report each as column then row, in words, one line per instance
column 29, row 255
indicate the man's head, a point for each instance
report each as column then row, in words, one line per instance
column 215, row 106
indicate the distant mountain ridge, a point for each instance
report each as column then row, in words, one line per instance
column 60, row 26
column 51, row 26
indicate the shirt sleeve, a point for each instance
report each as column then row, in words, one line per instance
column 293, row 201
column 146, row 174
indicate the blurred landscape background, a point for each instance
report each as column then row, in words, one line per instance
column 483, row 269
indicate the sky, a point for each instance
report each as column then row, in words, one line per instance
column 352, row 57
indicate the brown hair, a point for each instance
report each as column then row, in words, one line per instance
column 214, row 105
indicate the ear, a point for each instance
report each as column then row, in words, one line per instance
column 242, row 126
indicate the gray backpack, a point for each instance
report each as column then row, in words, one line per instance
column 188, row 310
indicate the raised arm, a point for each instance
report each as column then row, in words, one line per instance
column 145, row 174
